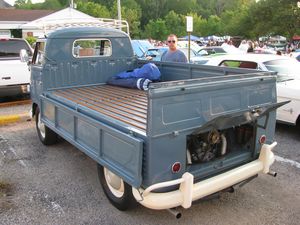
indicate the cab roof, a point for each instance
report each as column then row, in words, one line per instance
column 86, row 32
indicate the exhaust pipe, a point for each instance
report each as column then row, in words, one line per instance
column 272, row 173
column 175, row 213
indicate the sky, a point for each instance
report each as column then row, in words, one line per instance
column 12, row 2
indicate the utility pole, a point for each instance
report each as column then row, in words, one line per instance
column 119, row 13
column 119, row 10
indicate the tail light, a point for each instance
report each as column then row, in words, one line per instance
column 262, row 139
column 176, row 167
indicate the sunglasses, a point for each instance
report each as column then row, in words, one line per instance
column 173, row 41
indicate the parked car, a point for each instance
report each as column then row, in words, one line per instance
column 288, row 78
column 229, row 49
column 140, row 47
column 156, row 53
column 185, row 44
column 194, row 56
column 296, row 54
column 14, row 74
column 213, row 50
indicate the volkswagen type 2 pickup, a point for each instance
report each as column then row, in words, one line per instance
column 199, row 131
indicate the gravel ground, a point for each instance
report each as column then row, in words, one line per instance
column 58, row 185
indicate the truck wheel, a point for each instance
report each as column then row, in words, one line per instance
column 46, row 135
column 118, row 192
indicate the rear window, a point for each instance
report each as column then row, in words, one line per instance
column 11, row 48
column 92, row 48
column 239, row 64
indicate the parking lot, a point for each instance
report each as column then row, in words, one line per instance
column 59, row 185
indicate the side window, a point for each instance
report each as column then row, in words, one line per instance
column 38, row 55
column 92, row 48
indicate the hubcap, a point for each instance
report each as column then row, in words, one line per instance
column 41, row 126
column 115, row 183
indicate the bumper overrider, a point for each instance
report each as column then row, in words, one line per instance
column 189, row 192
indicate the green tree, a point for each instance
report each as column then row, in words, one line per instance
column 23, row 4
column 175, row 24
column 131, row 12
column 152, row 10
column 156, row 29
column 48, row 4
column 182, row 6
column 275, row 17
column 93, row 9
column 52, row 4
column 199, row 25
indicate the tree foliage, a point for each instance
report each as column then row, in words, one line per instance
column 276, row 17
column 156, row 29
column 157, row 18
column 131, row 12
column 93, row 9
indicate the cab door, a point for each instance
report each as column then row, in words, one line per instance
column 37, row 69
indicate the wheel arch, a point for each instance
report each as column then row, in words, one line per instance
column 33, row 109
column 298, row 121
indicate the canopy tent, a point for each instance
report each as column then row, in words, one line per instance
column 296, row 38
column 277, row 38
column 68, row 17
column 193, row 38
column 213, row 38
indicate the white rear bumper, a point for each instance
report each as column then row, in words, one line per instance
column 189, row 192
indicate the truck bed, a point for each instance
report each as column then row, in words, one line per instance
column 123, row 104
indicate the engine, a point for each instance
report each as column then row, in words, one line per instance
column 208, row 146
column 205, row 147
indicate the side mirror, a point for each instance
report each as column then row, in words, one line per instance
column 24, row 56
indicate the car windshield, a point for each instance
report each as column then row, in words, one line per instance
column 11, row 48
column 138, row 50
column 286, row 69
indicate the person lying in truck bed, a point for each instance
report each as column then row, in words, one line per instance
column 139, row 78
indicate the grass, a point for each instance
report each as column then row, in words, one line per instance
column 5, row 188
column 5, row 194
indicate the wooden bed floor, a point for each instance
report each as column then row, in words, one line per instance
column 123, row 104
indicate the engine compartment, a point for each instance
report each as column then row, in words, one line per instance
column 215, row 144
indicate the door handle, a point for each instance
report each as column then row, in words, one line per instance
column 6, row 78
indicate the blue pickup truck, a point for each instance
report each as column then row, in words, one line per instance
column 201, row 130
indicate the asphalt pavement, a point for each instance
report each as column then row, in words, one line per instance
column 59, row 185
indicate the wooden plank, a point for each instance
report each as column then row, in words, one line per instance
column 100, row 102
column 119, row 99
column 116, row 103
column 138, row 98
column 83, row 100
column 107, row 113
